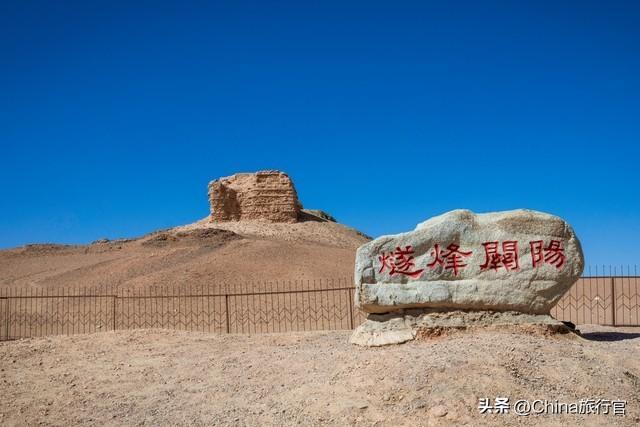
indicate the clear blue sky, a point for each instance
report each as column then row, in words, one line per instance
column 114, row 116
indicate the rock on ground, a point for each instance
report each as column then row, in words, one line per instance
column 400, row 327
column 517, row 260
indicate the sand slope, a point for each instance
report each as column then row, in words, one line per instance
column 197, row 254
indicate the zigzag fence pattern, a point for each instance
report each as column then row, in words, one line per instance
column 249, row 308
column 260, row 307
column 605, row 296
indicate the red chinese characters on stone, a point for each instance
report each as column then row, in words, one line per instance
column 450, row 259
column 399, row 261
column 498, row 255
column 507, row 258
column 552, row 254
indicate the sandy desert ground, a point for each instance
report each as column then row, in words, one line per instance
column 156, row 377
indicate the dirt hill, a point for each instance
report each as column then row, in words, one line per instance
column 203, row 253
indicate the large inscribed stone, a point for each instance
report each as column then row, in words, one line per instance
column 517, row 260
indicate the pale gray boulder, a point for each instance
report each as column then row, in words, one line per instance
column 517, row 260
column 400, row 327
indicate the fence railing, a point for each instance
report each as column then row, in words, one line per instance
column 602, row 299
column 250, row 308
column 257, row 307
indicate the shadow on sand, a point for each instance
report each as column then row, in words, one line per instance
column 610, row 336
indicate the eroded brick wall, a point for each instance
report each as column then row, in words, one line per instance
column 266, row 195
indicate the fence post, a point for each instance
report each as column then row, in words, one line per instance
column 114, row 310
column 350, row 309
column 6, row 318
column 613, row 301
column 226, row 305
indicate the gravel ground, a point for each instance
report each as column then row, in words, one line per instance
column 158, row 377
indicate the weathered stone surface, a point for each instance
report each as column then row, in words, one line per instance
column 319, row 214
column 399, row 327
column 408, row 270
column 264, row 196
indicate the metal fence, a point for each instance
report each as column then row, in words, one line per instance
column 249, row 308
column 282, row 306
column 604, row 296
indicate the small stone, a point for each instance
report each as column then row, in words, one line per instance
column 418, row 404
column 438, row 411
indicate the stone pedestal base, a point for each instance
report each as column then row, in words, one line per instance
column 400, row 327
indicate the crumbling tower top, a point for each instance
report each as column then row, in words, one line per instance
column 267, row 195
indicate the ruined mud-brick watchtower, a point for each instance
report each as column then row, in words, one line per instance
column 265, row 195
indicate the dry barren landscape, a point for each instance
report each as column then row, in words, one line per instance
column 198, row 254
column 153, row 376
column 156, row 377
